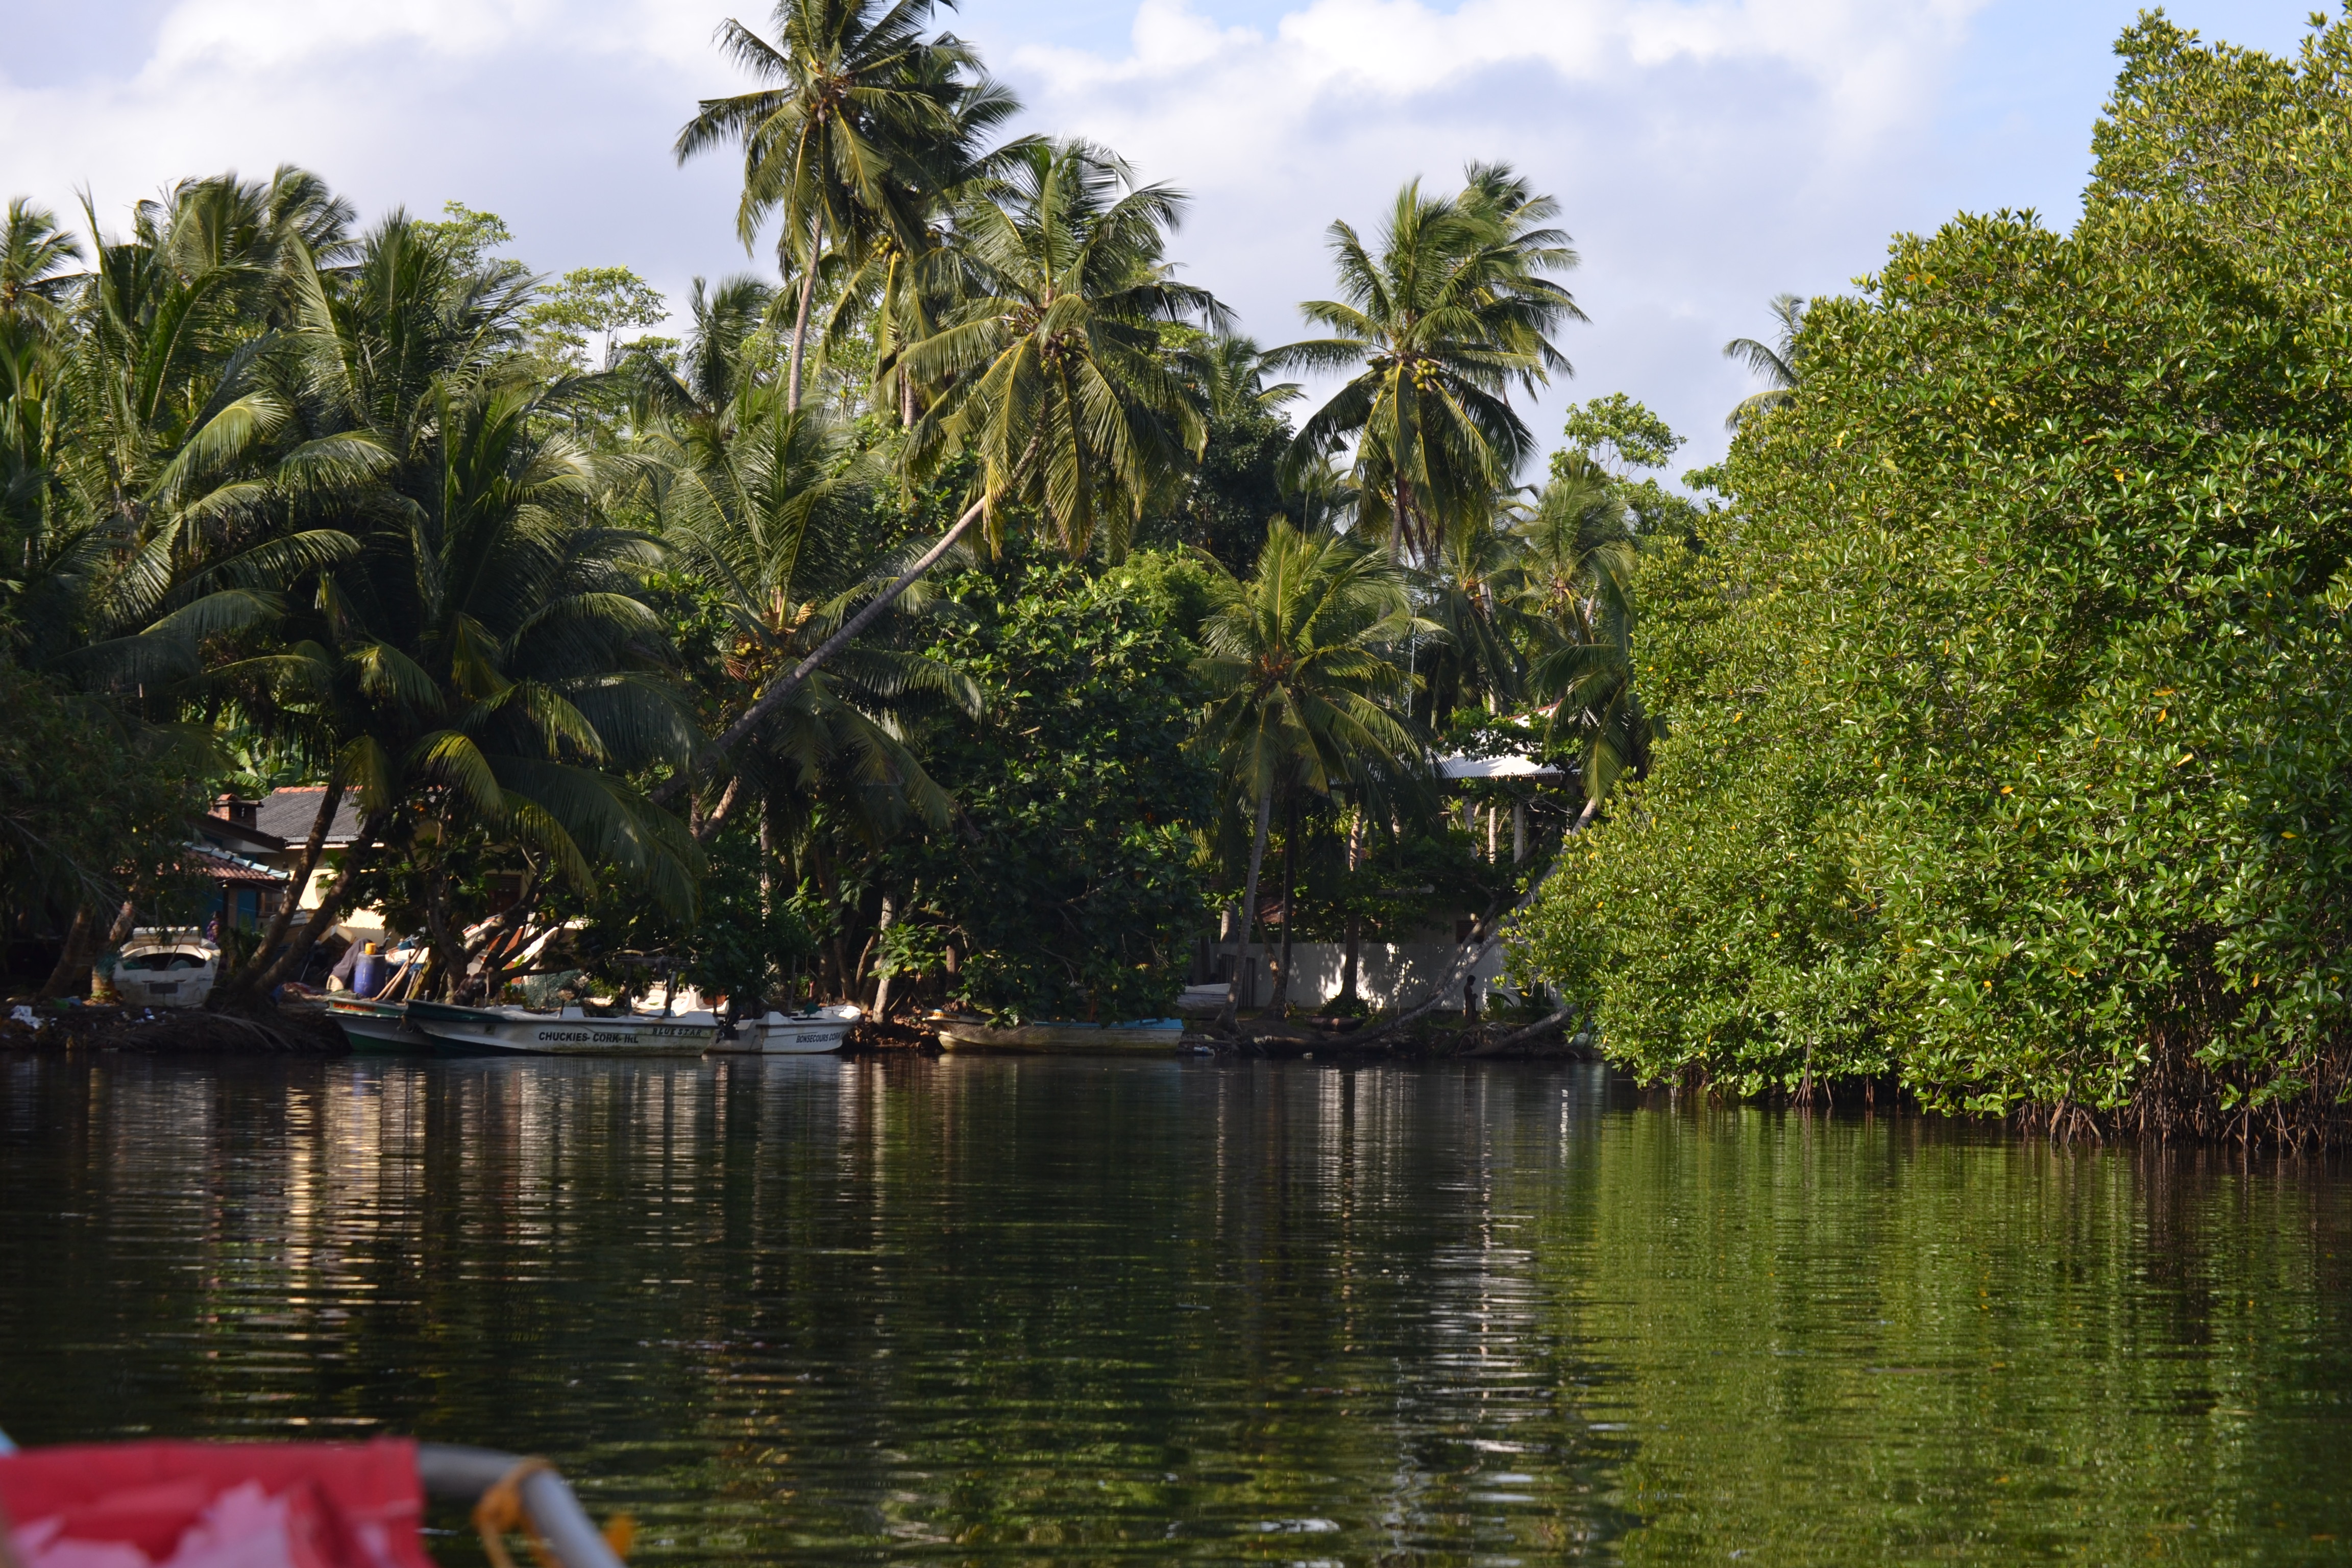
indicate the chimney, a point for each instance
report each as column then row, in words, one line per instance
column 244, row 813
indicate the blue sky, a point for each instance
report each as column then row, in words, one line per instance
column 1708, row 154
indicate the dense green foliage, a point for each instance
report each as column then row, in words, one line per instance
column 2008, row 695
column 628, row 643
column 1069, row 887
column 90, row 807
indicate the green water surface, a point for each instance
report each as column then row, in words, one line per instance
column 1040, row 1311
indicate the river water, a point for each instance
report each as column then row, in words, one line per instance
column 1038, row 1311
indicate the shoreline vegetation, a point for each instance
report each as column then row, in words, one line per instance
column 965, row 616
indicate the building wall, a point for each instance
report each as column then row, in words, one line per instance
column 1386, row 974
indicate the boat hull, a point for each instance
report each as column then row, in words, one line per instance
column 377, row 1027
column 504, row 1031
column 1063, row 1039
column 789, row 1036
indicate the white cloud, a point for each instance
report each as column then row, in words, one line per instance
column 1708, row 154
column 557, row 114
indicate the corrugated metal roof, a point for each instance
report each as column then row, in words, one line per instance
column 1496, row 768
column 289, row 813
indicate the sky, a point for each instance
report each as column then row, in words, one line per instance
column 1708, row 154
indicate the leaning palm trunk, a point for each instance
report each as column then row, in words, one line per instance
column 777, row 695
column 240, row 986
column 73, row 959
column 331, row 910
column 1249, row 909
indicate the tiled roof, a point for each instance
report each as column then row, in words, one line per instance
column 220, row 866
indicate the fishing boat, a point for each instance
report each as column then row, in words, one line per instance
column 568, row 1031
column 811, row 1033
column 573, row 1031
column 372, row 1026
column 1141, row 1036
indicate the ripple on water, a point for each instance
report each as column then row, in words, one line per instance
column 1048, row 1312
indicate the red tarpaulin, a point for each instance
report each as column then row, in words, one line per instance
column 215, row 1505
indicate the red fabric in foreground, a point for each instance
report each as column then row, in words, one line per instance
column 346, row 1505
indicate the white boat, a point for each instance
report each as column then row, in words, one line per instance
column 373, row 1026
column 165, row 968
column 792, row 1033
column 568, row 1031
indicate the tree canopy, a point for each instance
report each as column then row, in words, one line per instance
column 2007, row 761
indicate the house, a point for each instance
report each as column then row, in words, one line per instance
column 244, row 866
column 1459, row 771
column 290, row 813
column 248, row 851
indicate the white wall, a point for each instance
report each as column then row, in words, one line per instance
column 1386, row 974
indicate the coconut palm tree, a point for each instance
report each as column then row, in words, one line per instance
column 1054, row 381
column 1453, row 312
column 848, row 144
column 1298, row 657
column 900, row 288
column 1469, row 589
column 1229, row 371
column 491, row 665
column 768, row 519
column 1056, row 378
column 1573, row 591
column 34, row 256
column 1776, row 362
column 485, row 660
column 34, row 287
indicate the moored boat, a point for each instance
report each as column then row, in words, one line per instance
column 372, row 1026
column 791, row 1034
column 570, row 1031
column 1143, row 1036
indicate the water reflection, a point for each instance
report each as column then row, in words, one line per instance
column 1061, row 1311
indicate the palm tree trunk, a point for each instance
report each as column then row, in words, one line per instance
column 1249, row 909
column 1281, row 1003
column 314, row 847
column 1348, row 963
column 73, row 959
column 331, row 910
column 883, row 969
column 799, row 321
column 1355, row 919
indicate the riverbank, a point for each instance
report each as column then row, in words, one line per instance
column 306, row 1029
column 101, row 1027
